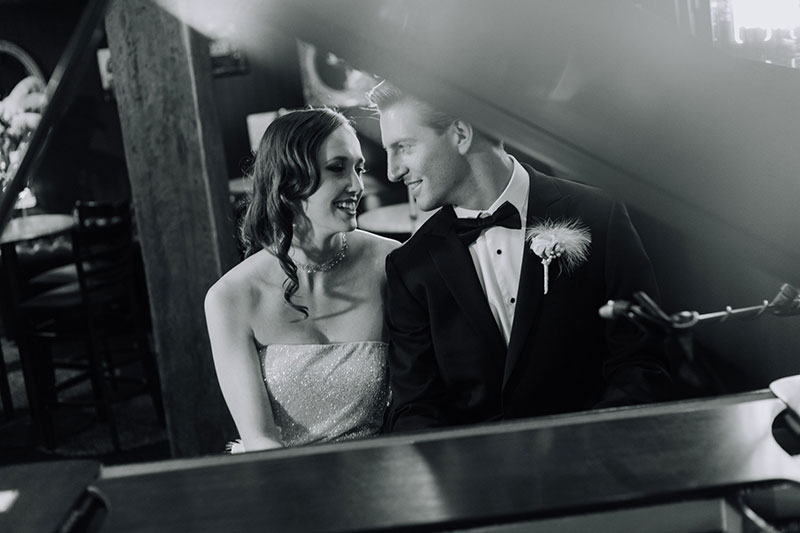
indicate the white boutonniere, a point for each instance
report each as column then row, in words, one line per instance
column 566, row 242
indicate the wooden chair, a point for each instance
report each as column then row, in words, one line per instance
column 5, row 388
column 103, row 313
column 20, row 262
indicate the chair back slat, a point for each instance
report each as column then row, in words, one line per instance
column 104, row 249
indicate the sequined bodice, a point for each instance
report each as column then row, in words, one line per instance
column 326, row 392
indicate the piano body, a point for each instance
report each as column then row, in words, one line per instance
column 727, row 464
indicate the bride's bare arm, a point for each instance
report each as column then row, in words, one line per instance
column 238, row 367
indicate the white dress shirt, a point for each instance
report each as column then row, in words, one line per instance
column 497, row 252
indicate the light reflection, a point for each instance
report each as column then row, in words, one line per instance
column 767, row 14
column 750, row 427
column 760, row 30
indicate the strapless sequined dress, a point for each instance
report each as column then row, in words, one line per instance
column 326, row 392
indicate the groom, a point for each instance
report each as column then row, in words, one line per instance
column 480, row 329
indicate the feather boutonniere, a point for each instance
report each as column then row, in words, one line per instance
column 566, row 242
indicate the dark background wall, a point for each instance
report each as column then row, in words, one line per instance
column 272, row 81
column 87, row 162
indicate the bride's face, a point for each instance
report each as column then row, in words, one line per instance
column 332, row 207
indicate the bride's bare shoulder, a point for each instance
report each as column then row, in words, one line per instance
column 243, row 285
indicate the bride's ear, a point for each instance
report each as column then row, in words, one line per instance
column 463, row 135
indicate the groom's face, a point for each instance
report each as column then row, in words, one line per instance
column 426, row 160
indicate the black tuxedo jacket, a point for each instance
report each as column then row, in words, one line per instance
column 448, row 362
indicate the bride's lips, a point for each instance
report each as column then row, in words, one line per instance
column 348, row 205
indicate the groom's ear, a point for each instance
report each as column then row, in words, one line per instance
column 462, row 135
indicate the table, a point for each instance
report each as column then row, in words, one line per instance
column 21, row 229
column 240, row 186
column 30, row 227
column 45, row 495
column 393, row 220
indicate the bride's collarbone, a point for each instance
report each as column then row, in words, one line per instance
column 324, row 304
column 353, row 284
column 324, row 328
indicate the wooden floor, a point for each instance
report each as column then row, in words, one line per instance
column 79, row 433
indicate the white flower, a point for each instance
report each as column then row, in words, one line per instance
column 565, row 241
column 20, row 113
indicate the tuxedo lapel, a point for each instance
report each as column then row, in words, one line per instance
column 543, row 194
column 455, row 265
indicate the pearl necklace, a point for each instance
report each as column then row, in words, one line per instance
column 330, row 263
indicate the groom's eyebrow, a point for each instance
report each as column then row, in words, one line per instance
column 398, row 141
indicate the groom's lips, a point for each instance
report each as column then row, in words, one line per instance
column 413, row 185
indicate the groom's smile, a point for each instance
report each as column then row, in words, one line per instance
column 413, row 185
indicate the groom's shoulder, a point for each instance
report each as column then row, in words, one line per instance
column 420, row 240
column 567, row 187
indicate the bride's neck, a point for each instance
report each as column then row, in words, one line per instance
column 314, row 251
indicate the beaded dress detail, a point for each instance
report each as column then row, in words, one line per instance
column 326, row 392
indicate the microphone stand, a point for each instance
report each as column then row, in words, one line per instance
column 692, row 373
column 786, row 303
column 688, row 319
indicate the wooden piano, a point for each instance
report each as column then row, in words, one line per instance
column 703, row 147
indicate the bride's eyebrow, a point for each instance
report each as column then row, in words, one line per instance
column 344, row 158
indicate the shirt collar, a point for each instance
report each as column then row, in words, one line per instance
column 516, row 193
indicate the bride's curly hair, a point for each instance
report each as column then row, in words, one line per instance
column 284, row 173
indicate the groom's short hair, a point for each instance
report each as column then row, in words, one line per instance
column 385, row 95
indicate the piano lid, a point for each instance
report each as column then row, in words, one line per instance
column 604, row 92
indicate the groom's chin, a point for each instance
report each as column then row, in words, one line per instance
column 424, row 204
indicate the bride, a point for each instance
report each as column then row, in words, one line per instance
column 296, row 329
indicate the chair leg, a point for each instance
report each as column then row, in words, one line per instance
column 110, row 367
column 102, row 395
column 5, row 388
column 38, row 373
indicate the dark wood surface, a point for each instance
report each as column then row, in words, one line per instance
column 464, row 477
column 179, row 183
column 48, row 492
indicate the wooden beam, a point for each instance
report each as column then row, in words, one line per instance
column 175, row 158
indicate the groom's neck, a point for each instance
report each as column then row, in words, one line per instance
column 490, row 173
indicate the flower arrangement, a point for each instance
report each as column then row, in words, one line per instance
column 566, row 242
column 20, row 113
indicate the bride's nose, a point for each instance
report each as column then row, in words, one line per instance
column 356, row 183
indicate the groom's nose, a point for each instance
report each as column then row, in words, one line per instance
column 396, row 169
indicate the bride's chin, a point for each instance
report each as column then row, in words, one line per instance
column 351, row 224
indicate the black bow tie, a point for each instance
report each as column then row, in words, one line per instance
column 468, row 229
